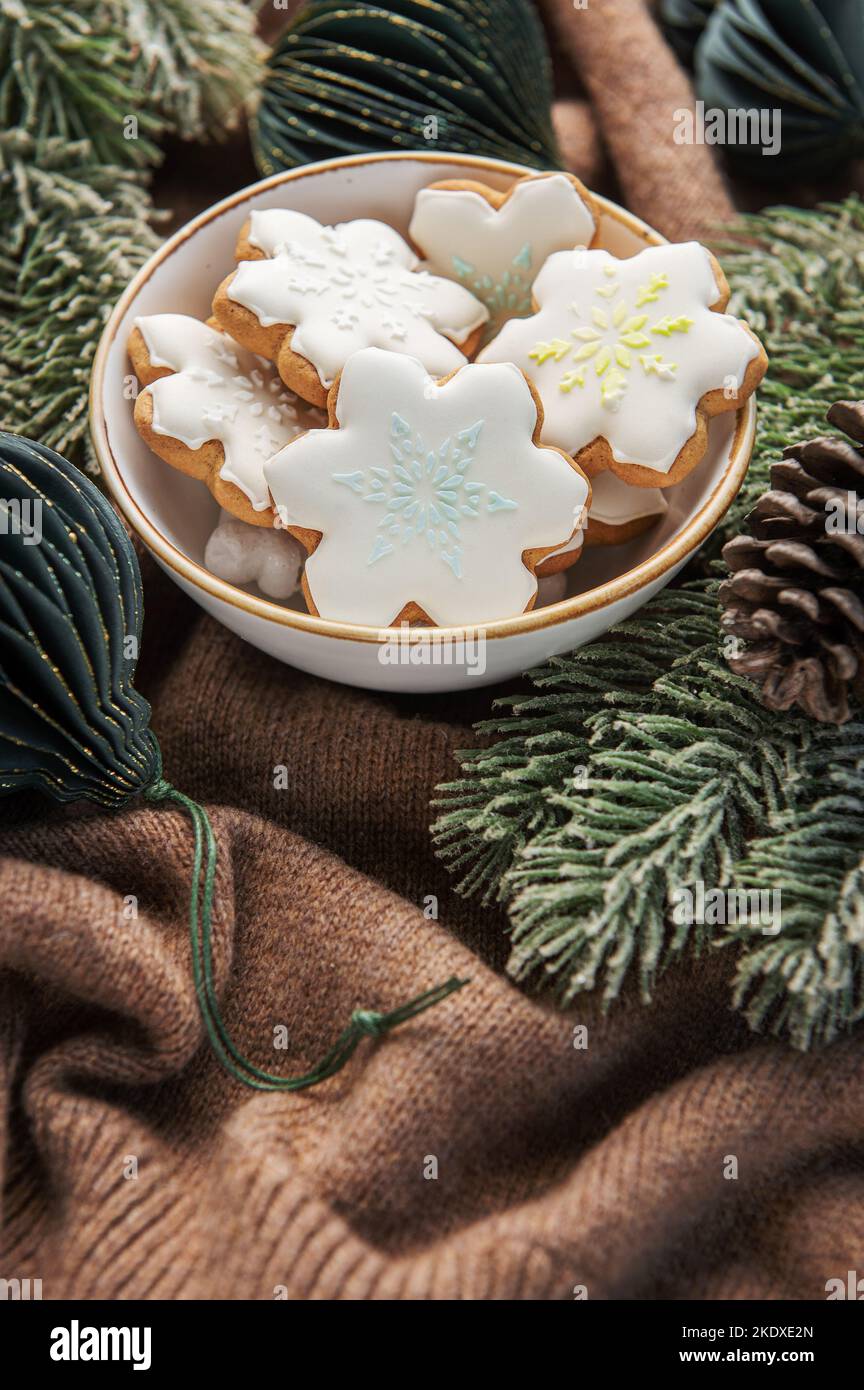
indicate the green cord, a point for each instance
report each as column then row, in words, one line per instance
column 363, row 1023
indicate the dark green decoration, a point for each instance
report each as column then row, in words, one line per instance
column 683, row 24
column 804, row 58
column 466, row 75
column 641, row 765
column 72, row 724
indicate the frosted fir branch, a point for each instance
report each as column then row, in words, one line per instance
column 197, row 60
column 120, row 72
column 77, row 233
column 82, row 94
column 686, row 776
column 511, row 791
column 70, row 75
column 808, row 982
column 797, row 277
column 672, row 792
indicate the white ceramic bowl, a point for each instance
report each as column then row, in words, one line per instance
column 174, row 515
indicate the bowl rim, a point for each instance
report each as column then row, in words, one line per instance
column 662, row 562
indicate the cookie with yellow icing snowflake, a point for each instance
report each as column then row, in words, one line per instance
column 632, row 357
column 426, row 500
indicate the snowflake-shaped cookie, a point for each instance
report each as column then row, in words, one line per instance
column 630, row 356
column 617, row 513
column 495, row 243
column 204, row 393
column 616, row 506
column 429, row 499
column 318, row 294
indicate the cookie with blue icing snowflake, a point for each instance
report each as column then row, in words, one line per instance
column 618, row 513
column 496, row 243
column 307, row 296
column 426, row 500
column 631, row 358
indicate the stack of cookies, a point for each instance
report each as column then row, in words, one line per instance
column 418, row 432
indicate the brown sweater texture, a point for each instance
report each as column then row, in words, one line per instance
column 474, row 1154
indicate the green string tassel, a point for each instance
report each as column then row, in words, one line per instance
column 364, row 1023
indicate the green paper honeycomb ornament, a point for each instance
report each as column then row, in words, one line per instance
column 801, row 58
column 471, row 76
column 71, row 722
column 683, row 23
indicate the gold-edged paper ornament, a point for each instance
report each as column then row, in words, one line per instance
column 471, row 76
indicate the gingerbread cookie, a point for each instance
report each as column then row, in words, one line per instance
column 496, row 243
column 426, row 501
column 566, row 555
column 618, row 513
column 213, row 410
column 243, row 554
column 632, row 357
column 308, row 296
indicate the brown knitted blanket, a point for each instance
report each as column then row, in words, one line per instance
column 474, row 1154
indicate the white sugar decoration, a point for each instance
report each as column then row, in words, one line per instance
column 244, row 554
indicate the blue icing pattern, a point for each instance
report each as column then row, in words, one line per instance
column 511, row 295
column 426, row 494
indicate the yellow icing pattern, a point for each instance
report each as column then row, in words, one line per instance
column 614, row 334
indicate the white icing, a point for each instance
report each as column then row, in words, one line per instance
column 426, row 493
column 575, row 543
column 244, row 554
column 349, row 287
column 498, row 252
column 618, row 503
column 610, row 355
column 219, row 391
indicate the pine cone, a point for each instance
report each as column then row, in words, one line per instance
column 796, row 595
